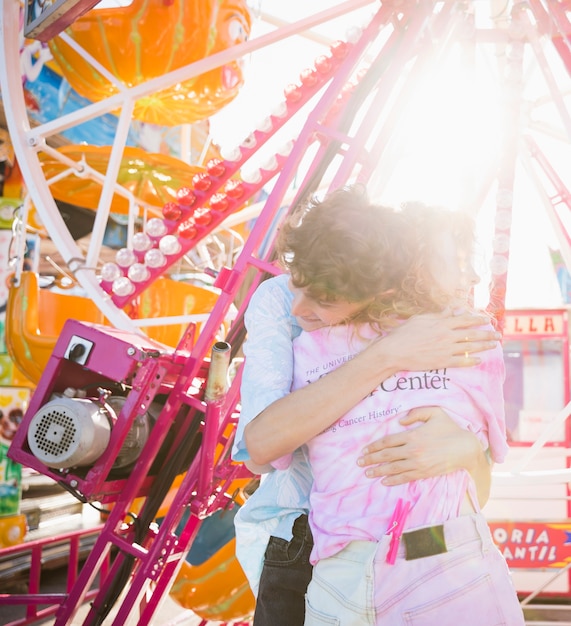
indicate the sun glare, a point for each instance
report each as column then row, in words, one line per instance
column 449, row 133
column 444, row 147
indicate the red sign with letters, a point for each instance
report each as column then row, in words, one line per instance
column 534, row 324
column 533, row 544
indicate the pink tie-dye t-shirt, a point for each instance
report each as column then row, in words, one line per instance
column 345, row 504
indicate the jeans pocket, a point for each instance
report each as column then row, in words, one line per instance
column 317, row 618
column 446, row 609
column 282, row 552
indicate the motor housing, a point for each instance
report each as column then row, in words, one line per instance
column 70, row 432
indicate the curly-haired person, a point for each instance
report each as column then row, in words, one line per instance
column 348, row 262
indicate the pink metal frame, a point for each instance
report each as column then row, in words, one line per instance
column 347, row 85
column 34, row 598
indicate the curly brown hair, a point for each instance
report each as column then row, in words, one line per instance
column 425, row 227
column 345, row 248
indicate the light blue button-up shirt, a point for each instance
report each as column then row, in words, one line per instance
column 283, row 495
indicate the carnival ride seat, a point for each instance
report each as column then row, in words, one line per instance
column 35, row 318
column 210, row 581
column 190, row 31
column 166, row 296
column 216, row 590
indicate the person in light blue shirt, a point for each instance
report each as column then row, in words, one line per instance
column 267, row 377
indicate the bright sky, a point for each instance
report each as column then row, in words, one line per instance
column 457, row 111
column 269, row 71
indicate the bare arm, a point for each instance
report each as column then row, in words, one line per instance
column 437, row 446
column 425, row 342
column 258, row 469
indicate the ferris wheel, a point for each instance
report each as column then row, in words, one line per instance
column 486, row 74
column 418, row 98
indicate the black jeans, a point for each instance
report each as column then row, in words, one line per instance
column 285, row 577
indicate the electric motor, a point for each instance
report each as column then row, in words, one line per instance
column 70, row 432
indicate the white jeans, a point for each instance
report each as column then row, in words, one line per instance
column 470, row 584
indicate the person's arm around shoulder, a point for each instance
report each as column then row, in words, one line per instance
column 425, row 342
column 436, row 446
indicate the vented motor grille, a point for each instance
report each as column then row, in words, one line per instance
column 69, row 432
column 55, row 433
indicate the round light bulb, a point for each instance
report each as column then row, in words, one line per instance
column 271, row 164
column 353, row 34
column 499, row 265
column 250, row 142
column 252, row 176
column 155, row 227
column 123, row 287
column 264, row 125
column 504, row 199
column 110, row 272
column 155, row 258
column 280, row 110
column 169, row 245
column 501, row 243
column 125, row 257
column 231, row 154
column 138, row 273
column 285, row 149
column 503, row 219
column 141, row 242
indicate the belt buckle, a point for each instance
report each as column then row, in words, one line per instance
column 424, row 542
